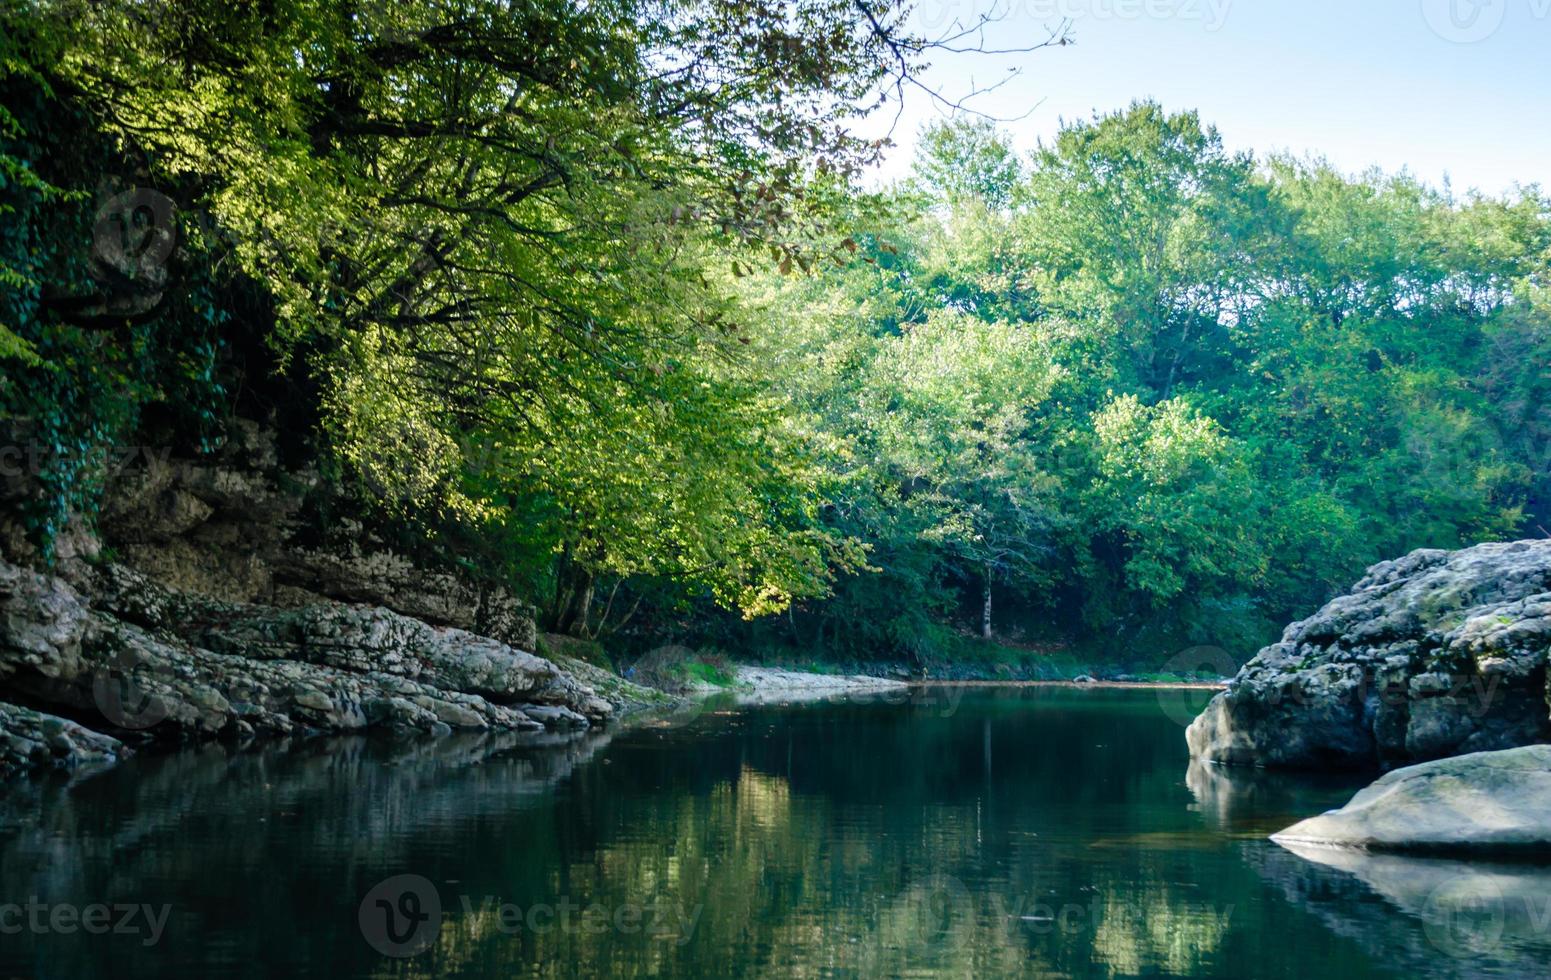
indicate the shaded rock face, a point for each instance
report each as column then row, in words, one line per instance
column 371, row 638
column 1486, row 802
column 351, row 573
column 226, row 527
column 1435, row 654
column 42, row 622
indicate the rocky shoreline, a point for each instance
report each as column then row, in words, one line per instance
column 146, row 663
column 326, row 669
column 198, row 606
column 1434, row 667
column 117, row 661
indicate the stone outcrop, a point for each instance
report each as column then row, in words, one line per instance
column 140, row 658
column 1486, row 802
column 1435, row 654
column 351, row 573
column 371, row 638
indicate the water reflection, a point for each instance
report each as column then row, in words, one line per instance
column 1259, row 802
column 1470, row 907
column 1023, row 832
column 1457, row 918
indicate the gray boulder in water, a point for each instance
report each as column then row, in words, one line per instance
column 1486, row 802
column 1435, row 654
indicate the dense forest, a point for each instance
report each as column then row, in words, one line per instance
column 603, row 301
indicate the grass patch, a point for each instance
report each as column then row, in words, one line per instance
column 679, row 670
column 706, row 672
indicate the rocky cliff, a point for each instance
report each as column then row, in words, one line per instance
column 1435, row 654
column 215, row 618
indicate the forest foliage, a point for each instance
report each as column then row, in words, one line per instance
column 599, row 301
column 1150, row 393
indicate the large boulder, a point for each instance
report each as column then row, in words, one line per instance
column 1435, row 654
column 356, row 638
column 42, row 622
column 138, row 681
column 1486, row 802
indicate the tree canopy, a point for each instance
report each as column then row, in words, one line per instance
column 1155, row 393
column 597, row 297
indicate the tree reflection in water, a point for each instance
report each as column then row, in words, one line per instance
column 1016, row 832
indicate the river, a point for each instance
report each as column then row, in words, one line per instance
column 946, row 832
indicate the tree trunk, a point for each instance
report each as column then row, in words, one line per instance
column 582, row 607
column 985, row 610
column 573, row 597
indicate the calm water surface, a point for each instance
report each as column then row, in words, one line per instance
column 1034, row 831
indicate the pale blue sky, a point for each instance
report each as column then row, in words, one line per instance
column 1456, row 87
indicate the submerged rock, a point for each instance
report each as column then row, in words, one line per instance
column 1435, row 654
column 1487, row 802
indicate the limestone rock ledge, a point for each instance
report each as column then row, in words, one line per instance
column 130, row 657
column 1435, row 654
